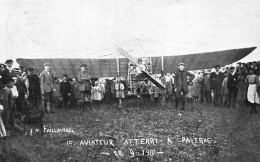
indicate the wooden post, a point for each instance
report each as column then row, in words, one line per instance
column 130, row 77
column 162, row 63
column 163, row 91
column 118, row 75
column 151, row 65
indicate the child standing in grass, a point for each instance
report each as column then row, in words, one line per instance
column 96, row 94
column 224, row 91
column 190, row 94
column 242, row 89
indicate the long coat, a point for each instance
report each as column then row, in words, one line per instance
column 34, row 86
column 181, row 81
column 65, row 87
column 84, row 80
column 46, row 81
column 21, row 87
column 216, row 80
column 232, row 82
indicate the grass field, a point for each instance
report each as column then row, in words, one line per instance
column 224, row 134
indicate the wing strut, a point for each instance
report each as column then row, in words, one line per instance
column 153, row 80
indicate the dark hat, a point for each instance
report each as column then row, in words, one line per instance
column 239, row 63
column 46, row 64
column 232, row 68
column 83, row 65
column 139, row 60
column 9, row 61
column 30, row 69
column 217, row 66
column 181, row 64
column 65, row 75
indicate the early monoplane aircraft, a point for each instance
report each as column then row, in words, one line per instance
column 119, row 66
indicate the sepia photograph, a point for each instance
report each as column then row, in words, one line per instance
column 129, row 81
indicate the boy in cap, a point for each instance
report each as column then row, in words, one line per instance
column 181, row 84
column 65, row 88
column 47, row 80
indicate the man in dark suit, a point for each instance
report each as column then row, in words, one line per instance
column 34, row 89
column 22, row 91
column 216, row 80
column 232, row 85
column 65, row 88
column 181, row 84
column 47, row 80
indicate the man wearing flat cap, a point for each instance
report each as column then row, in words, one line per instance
column 34, row 97
column 84, row 79
column 181, row 84
column 47, row 81
column 216, row 80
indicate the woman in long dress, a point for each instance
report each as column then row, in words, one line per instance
column 252, row 94
column 242, row 90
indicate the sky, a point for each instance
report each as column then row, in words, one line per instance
column 73, row 28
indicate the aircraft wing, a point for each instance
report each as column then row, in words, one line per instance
column 108, row 67
column 97, row 67
column 199, row 61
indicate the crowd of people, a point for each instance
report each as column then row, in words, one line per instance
column 224, row 87
column 23, row 92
